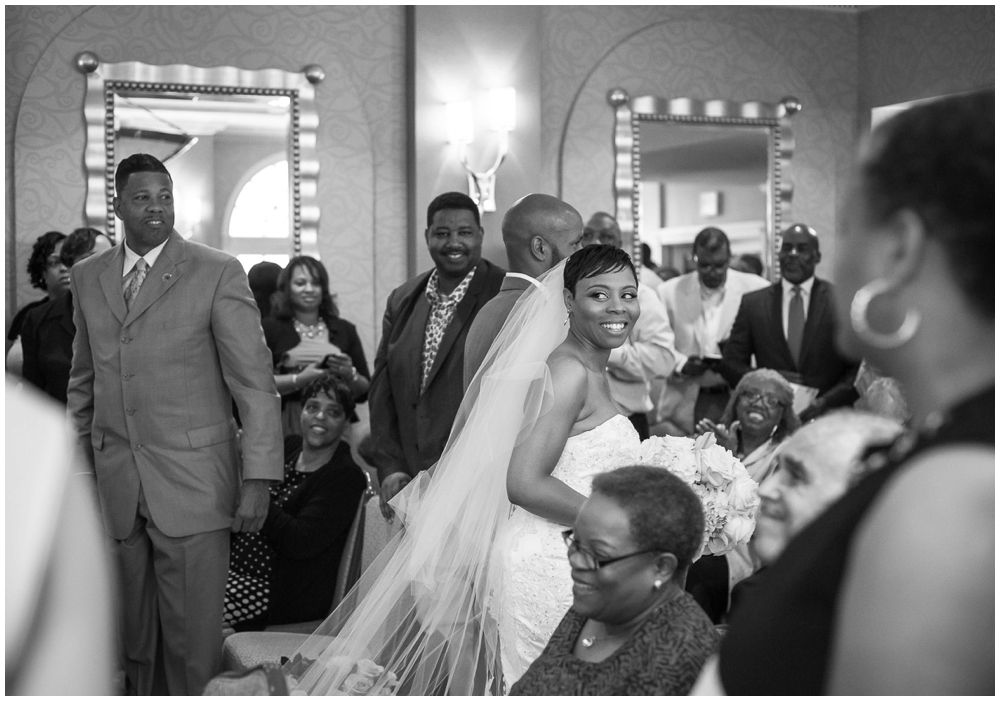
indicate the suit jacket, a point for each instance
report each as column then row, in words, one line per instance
column 681, row 296
column 152, row 388
column 47, row 339
column 410, row 429
column 489, row 321
column 758, row 332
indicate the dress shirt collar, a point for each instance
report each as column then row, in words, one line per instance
column 806, row 287
column 131, row 257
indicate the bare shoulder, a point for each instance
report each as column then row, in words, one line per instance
column 569, row 374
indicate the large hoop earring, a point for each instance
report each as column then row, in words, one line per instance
column 859, row 319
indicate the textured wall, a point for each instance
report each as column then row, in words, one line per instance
column 743, row 53
column 914, row 52
column 361, row 139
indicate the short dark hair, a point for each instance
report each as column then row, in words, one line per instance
column 334, row 388
column 451, row 200
column 711, row 240
column 263, row 279
column 282, row 298
column 39, row 260
column 79, row 241
column 789, row 420
column 752, row 263
column 664, row 513
column 137, row 163
column 938, row 160
column 595, row 260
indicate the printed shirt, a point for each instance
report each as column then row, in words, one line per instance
column 442, row 310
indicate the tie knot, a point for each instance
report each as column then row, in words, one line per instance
column 796, row 290
column 140, row 265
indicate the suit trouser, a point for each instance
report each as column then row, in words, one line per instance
column 173, row 591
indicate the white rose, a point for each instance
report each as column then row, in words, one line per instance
column 743, row 495
column 356, row 685
column 717, row 466
column 739, row 529
column 368, row 668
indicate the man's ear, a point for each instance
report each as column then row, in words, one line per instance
column 538, row 246
column 117, row 205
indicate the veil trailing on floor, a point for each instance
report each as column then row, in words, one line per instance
column 421, row 620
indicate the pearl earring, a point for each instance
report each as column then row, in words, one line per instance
column 657, row 584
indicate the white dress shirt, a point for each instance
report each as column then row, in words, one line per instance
column 131, row 257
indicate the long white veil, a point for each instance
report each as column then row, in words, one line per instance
column 423, row 611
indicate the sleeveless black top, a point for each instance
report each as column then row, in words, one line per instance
column 780, row 638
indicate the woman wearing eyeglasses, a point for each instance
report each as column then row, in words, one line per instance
column 287, row 572
column 758, row 417
column 632, row 629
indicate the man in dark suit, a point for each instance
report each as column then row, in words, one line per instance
column 417, row 385
column 168, row 337
column 538, row 232
column 789, row 327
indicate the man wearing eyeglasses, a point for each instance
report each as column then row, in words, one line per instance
column 701, row 306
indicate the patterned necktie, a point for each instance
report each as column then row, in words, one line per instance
column 796, row 322
column 138, row 275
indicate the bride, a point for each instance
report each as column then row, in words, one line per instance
column 467, row 595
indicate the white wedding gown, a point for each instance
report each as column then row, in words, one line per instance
column 537, row 586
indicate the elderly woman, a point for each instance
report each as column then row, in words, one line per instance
column 757, row 418
column 48, row 331
column 287, row 572
column 632, row 630
column 308, row 339
column 891, row 590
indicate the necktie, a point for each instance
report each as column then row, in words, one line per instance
column 138, row 275
column 796, row 322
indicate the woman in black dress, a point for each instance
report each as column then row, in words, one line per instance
column 287, row 572
column 308, row 339
column 632, row 630
column 891, row 591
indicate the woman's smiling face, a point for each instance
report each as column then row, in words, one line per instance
column 604, row 308
column 759, row 407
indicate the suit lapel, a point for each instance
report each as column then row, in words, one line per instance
column 411, row 340
column 111, row 283
column 462, row 313
column 160, row 278
column 818, row 305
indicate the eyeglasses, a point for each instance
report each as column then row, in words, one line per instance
column 588, row 559
column 769, row 400
column 332, row 411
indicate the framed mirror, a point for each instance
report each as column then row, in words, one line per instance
column 240, row 146
column 682, row 165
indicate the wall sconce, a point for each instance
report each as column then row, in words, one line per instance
column 503, row 108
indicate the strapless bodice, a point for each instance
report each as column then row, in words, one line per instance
column 611, row 444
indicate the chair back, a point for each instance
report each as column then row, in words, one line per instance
column 351, row 559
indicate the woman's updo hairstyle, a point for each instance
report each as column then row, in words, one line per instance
column 595, row 260
column 937, row 159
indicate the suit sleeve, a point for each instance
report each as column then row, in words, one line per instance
column 246, row 369
column 385, row 425
column 80, row 391
column 737, row 351
column 649, row 352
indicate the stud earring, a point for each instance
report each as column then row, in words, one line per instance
column 657, row 584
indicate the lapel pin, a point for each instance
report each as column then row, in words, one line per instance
column 167, row 276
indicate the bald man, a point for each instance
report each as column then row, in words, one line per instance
column 538, row 232
column 603, row 228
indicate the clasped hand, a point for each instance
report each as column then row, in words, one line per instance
column 726, row 437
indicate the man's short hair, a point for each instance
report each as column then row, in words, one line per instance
column 137, row 163
column 451, row 200
column 710, row 240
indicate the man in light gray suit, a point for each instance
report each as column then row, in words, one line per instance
column 167, row 338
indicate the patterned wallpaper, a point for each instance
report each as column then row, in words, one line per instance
column 741, row 54
column 361, row 140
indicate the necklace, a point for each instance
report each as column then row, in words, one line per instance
column 589, row 641
column 309, row 331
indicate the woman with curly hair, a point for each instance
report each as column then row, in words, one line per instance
column 47, row 273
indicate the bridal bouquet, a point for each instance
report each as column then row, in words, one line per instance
column 728, row 494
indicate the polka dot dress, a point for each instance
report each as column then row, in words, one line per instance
column 251, row 561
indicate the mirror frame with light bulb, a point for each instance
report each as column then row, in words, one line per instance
column 104, row 80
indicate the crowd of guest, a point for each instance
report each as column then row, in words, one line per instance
column 863, row 409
